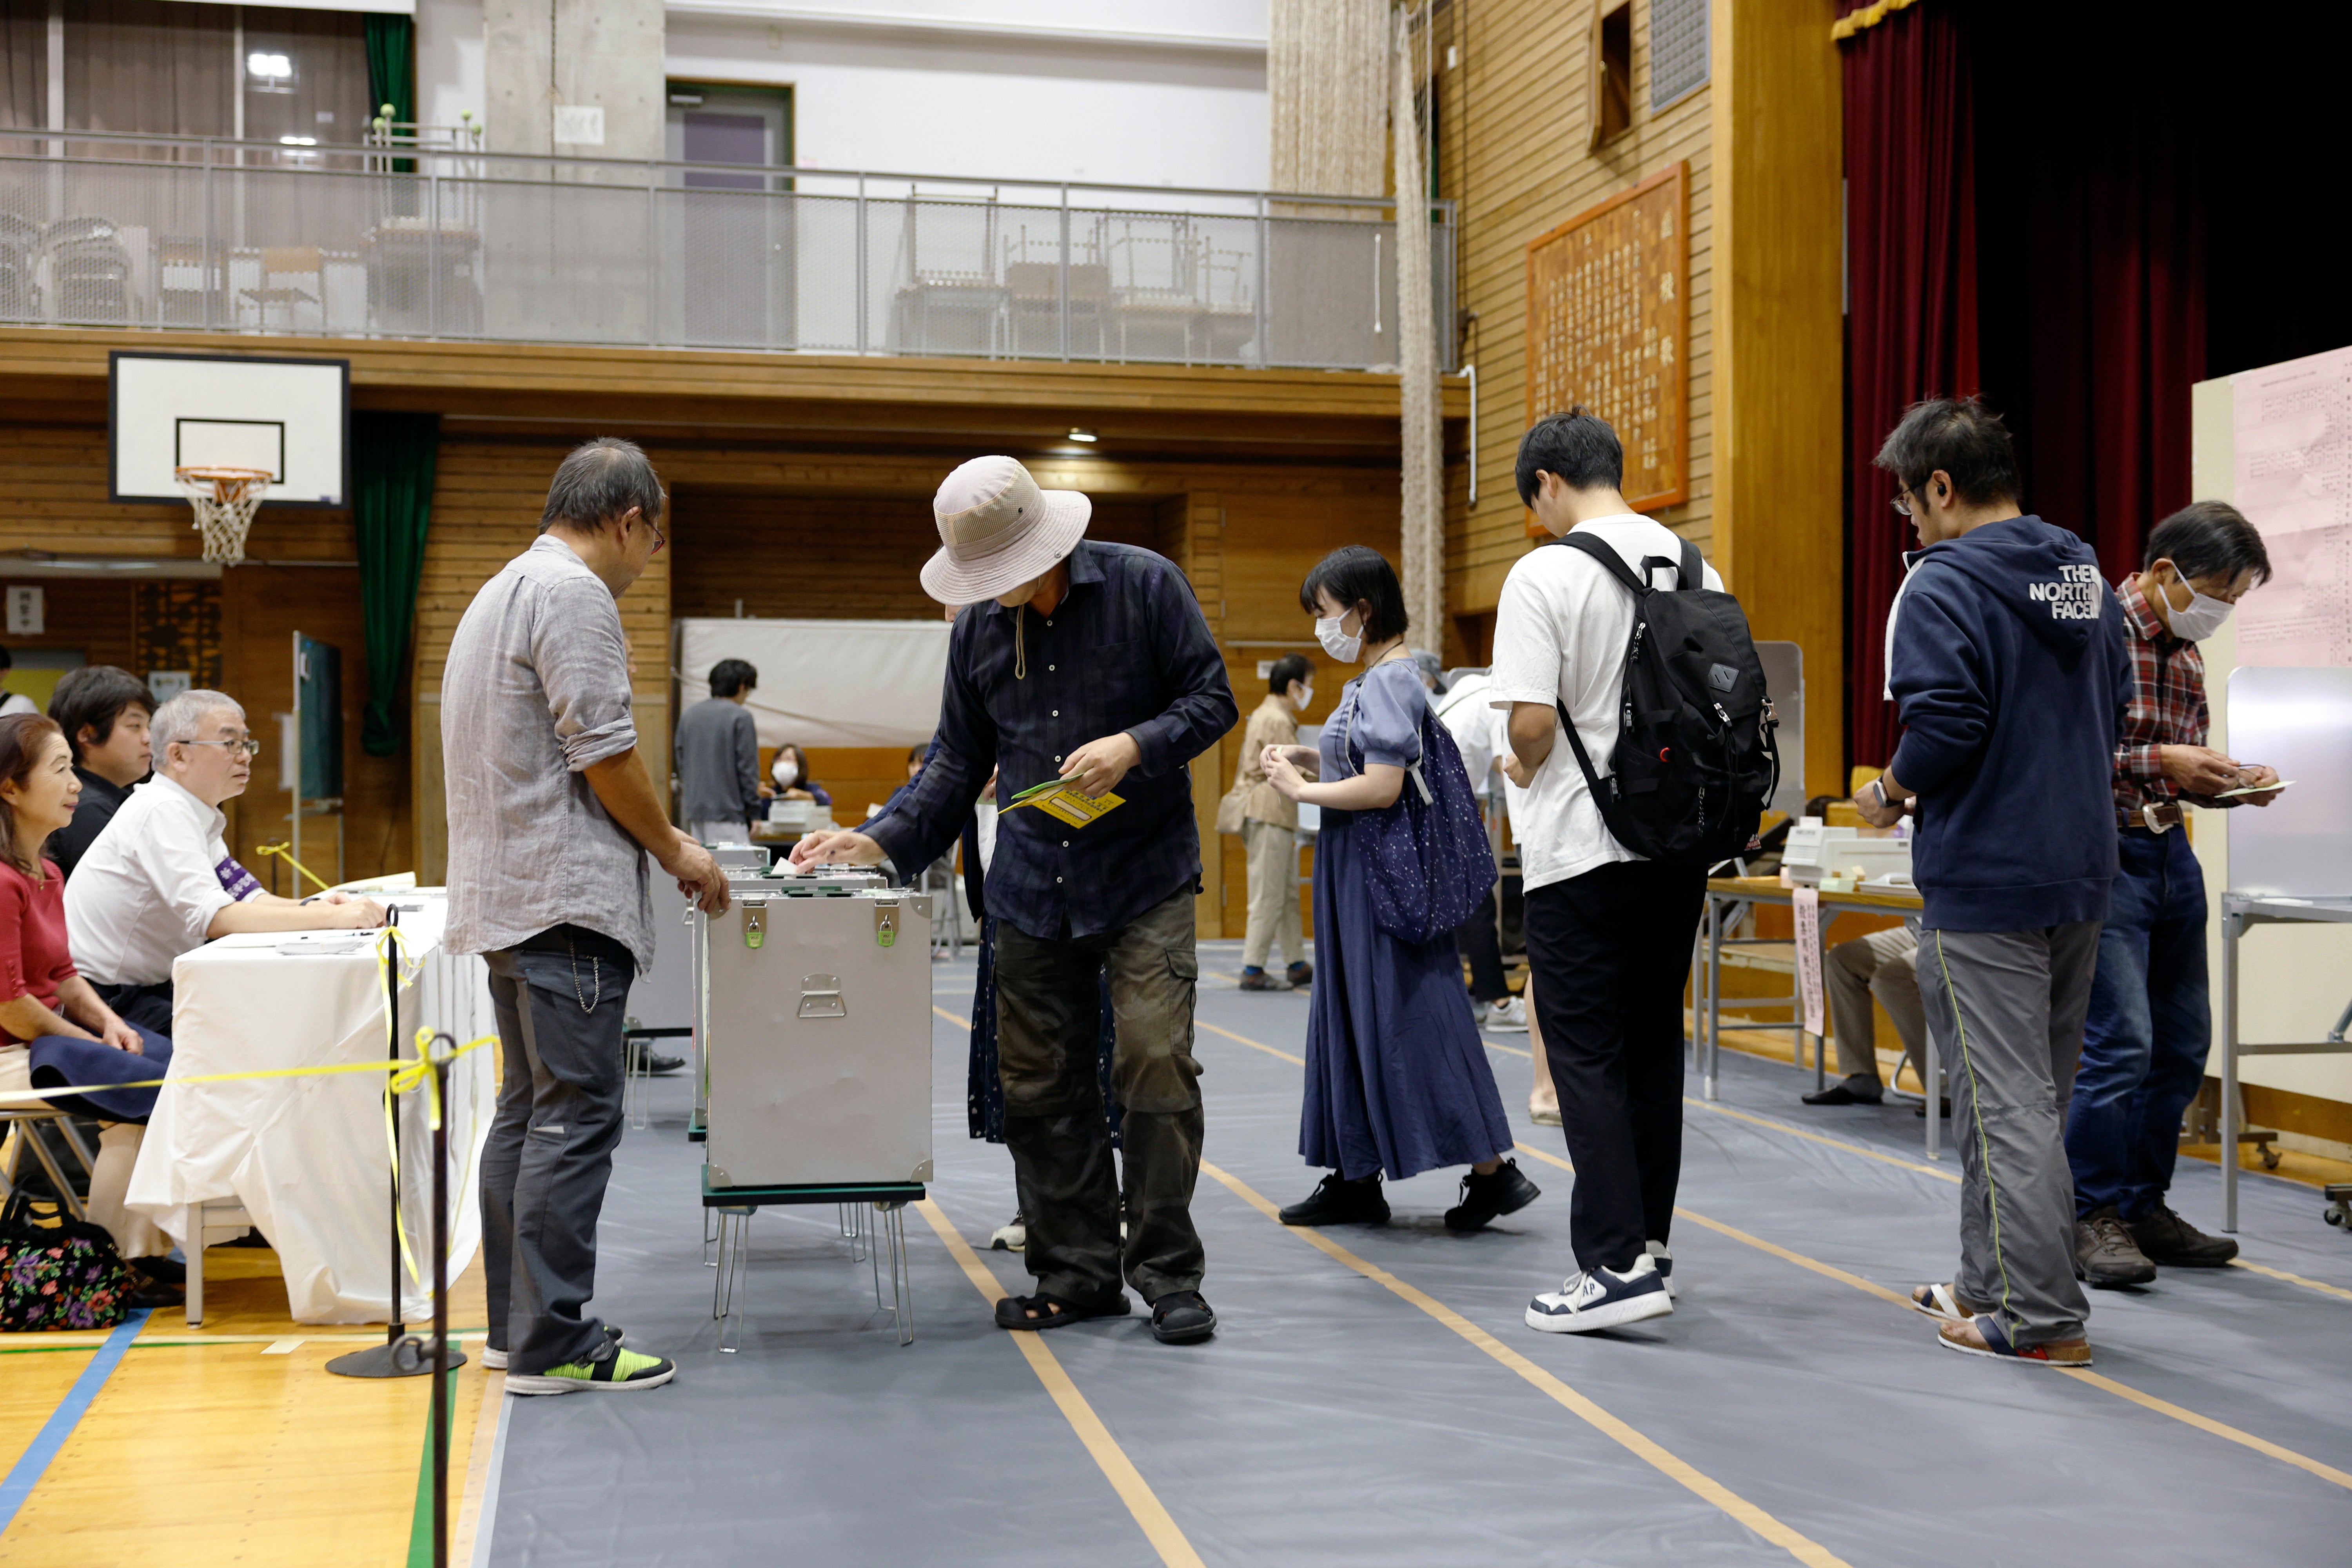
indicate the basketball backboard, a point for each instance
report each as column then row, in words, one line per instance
column 290, row 417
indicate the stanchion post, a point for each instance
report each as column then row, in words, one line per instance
column 395, row 1329
column 440, row 1302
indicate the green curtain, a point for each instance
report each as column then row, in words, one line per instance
column 392, row 457
column 391, row 73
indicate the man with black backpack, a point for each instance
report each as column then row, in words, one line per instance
column 1619, row 616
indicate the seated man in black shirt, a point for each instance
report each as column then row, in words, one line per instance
column 104, row 712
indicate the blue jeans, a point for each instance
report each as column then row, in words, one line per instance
column 2149, row 1028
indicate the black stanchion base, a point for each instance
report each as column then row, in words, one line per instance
column 407, row 1356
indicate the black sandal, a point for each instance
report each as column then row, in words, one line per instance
column 1053, row 1311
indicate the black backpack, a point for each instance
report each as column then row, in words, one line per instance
column 1695, row 760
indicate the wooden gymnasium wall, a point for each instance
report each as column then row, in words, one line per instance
column 54, row 468
column 795, row 533
column 1514, row 138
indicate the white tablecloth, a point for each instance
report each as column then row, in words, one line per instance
column 306, row 1156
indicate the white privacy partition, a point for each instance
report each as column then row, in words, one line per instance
column 826, row 683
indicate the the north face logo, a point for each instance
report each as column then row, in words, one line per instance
column 2074, row 598
column 1722, row 677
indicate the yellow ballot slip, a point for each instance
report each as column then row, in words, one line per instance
column 1060, row 800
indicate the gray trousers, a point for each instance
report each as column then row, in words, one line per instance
column 550, row 1152
column 2005, row 1009
column 1881, row 965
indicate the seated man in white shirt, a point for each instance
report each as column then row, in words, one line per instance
column 159, row 881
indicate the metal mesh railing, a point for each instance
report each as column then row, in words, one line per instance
column 187, row 233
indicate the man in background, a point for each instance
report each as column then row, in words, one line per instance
column 104, row 712
column 718, row 750
column 2150, row 1021
column 2005, row 657
column 552, row 816
column 13, row 701
column 1270, row 832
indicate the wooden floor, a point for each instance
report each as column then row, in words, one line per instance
column 232, row 1443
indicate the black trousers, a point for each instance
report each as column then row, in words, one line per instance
column 1610, row 952
column 1481, row 941
column 1048, row 1019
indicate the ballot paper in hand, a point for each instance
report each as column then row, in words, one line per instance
column 1060, row 799
column 2254, row 789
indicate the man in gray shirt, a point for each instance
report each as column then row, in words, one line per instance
column 718, row 748
column 552, row 816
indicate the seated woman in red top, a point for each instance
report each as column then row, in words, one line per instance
column 54, row 1031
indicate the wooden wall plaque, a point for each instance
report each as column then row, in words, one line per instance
column 1608, row 326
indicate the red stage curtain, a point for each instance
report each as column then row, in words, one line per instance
column 1911, row 271
column 2091, row 205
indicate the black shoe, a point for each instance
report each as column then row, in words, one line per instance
column 1182, row 1317
column 662, row 1067
column 1338, row 1202
column 1484, row 1198
column 1300, row 974
column 2106, row 1255
column 1261, row 981
column 162, row 1270
column 1943, row 1109
column 2170, row 1241
column 250, row 1238
column 1846, row 1092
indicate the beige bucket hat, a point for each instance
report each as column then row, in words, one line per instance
column 998, row 530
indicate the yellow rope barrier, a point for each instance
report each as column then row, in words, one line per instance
column 1869, row 17
column 284, row 852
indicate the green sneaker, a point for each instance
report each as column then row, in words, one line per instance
column 623, row 1372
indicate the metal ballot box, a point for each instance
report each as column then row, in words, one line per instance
column 816, row 1010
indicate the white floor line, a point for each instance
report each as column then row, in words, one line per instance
column 479, row 1511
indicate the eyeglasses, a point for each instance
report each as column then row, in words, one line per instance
column 1902, row 502
column 250, row 748
column 660, row 539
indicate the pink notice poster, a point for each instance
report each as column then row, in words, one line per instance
column 2293, row 474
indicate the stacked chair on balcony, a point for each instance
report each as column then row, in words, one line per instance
column 20, row 245
column 90, row 270
column 1036, row 290
column 294, row 285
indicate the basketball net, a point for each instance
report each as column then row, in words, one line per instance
column 223, row 500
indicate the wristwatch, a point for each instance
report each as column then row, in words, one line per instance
column 1881, row 788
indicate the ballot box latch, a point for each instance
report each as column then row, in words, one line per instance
column 820, row 997
column 886, row 922
column 755, row 913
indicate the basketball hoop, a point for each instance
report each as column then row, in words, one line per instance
column 223, row 500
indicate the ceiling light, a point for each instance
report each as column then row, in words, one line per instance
column 269, row 67
column 297, row 140
column 1077, row 435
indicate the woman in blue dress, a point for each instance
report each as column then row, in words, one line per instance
column 1397, row 1077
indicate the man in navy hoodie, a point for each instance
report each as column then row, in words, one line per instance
column 2005, row 653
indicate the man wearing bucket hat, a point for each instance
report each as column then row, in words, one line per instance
column 1087, row 662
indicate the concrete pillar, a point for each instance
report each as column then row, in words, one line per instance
column 574, row 78
column 601, row 55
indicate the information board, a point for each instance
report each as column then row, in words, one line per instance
column 1608, row 327
column 2293, row 482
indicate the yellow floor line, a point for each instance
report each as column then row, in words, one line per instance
column 1254, row 1045
column 951, row 1017
column 2120, row 1390
column 1801, row 1547
column 1125, row 1479
column 1852, row 1148
column 2268, row 1272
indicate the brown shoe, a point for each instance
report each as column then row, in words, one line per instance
column 2105, row 1255
column 1261, row 981
column 2166, row 1239
column 1984, row 1336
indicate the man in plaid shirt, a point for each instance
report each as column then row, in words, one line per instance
column 2145, row 1042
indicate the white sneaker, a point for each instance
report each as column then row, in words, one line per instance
column 1602, row 1299
column 1509, row 1016
column 1011, row 1237
column 1664, row 1258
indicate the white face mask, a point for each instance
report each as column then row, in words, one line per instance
column 2200, row 618
column 1305, row 698
column 788, row 772
column 1336, row 643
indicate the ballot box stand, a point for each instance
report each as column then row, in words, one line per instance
column 814, row 1067
column 2290, row 862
